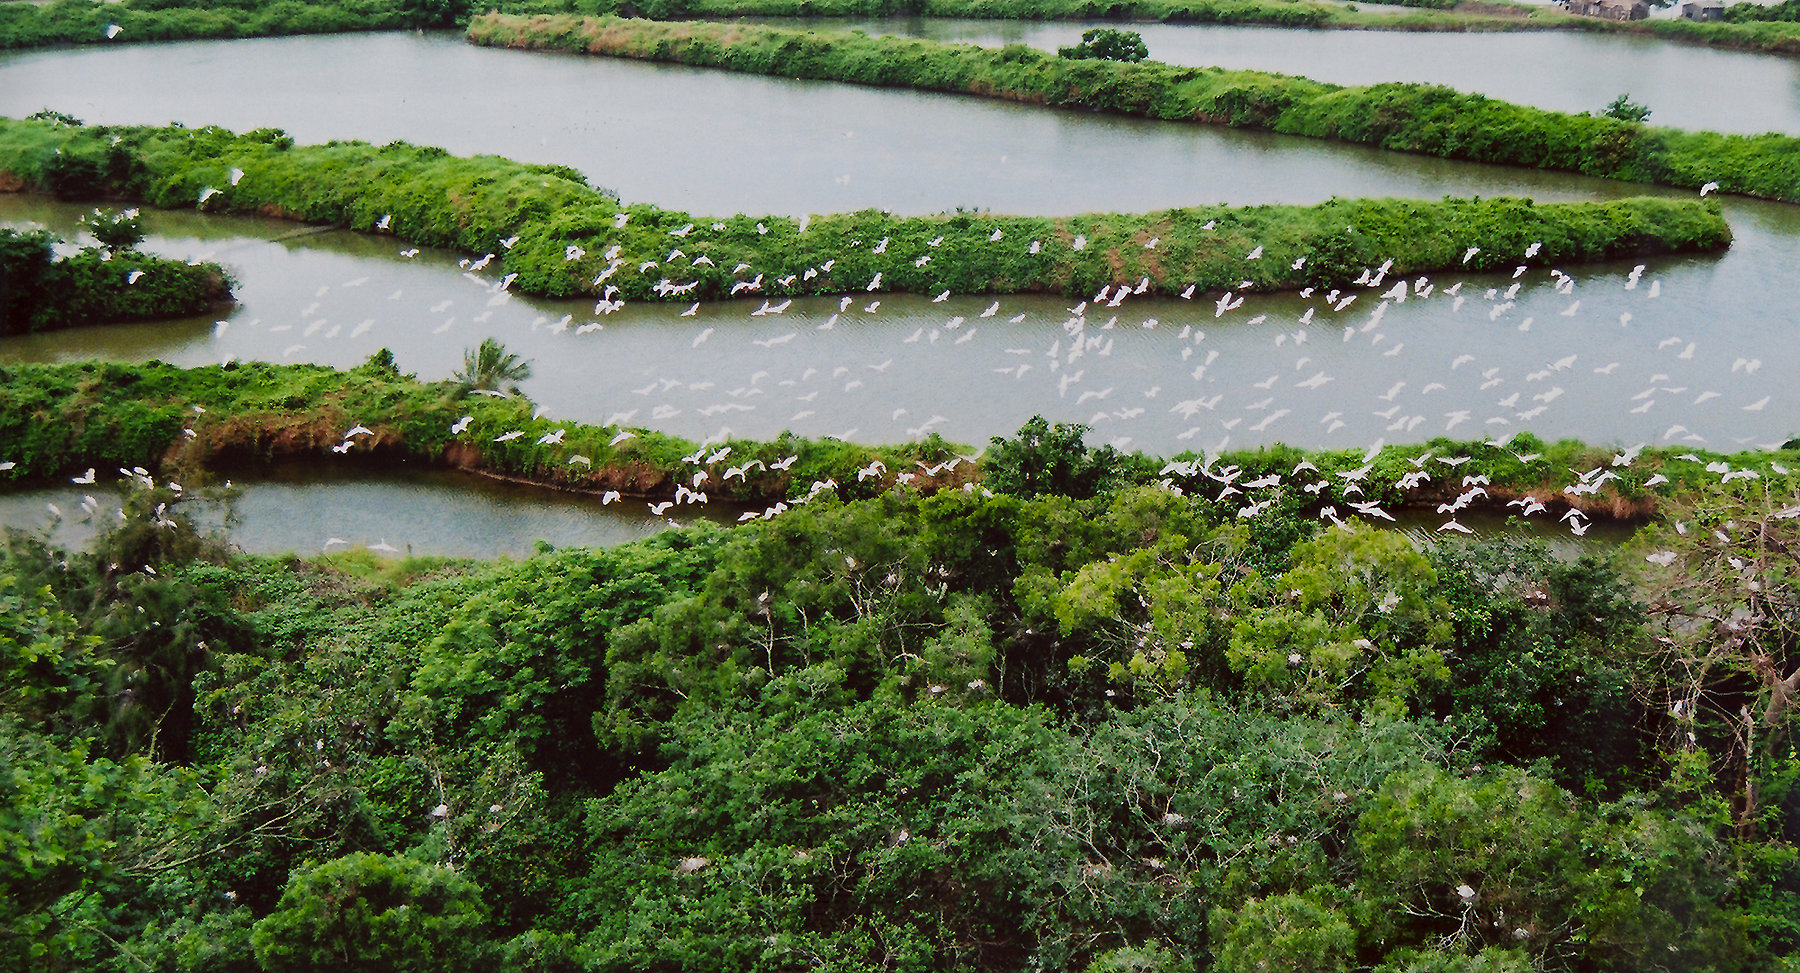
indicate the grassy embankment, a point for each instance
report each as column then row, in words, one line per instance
column 25, row 25
column 1425, row 119
column 42, row 292
column 58, row 419
column 1432, row 16
column 566, row 231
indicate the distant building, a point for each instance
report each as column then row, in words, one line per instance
column 1703, row 10
column 1612, row 9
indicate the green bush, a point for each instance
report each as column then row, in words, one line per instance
column 375, row 913
column 115, row 230
column 1106, row 44
column 41, row 292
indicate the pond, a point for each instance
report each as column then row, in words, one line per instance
column 1685, row 86
column 1702, row 358
column 317, row 509
column 716, row 143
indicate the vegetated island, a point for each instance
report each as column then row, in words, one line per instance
column 1747, row 26
column 1401, row 117
column 59, row 419
column 1071, row 726
column 42, row 291
column 555, row 235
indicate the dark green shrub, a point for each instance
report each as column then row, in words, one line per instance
column 374, row 913
column 115, row 230
column 1107, row 44
column 1045, row 459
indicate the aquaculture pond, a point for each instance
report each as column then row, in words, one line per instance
column 1680, row 350
column 313, row 510
column 718, row 143
column 1687, row 350
column 1684, row 86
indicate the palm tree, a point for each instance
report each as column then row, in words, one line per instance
column 492, row 368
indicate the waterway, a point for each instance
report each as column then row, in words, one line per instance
column 1687, row 350
column 314, row 509
column 1694, row 351
column 717, row 143
column 1684, row 86
column 327, row 509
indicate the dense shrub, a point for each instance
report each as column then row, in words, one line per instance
column 41, row 292
column 1107, row 44
column 374, row 913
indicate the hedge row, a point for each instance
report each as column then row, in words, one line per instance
column 567, row 238
column 26, row 24
column 56, row 419
column 1426, row 119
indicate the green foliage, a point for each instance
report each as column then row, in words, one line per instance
column 25, row 259
column 565, row 228
column 1787, row 11
column 842, row 734
column 1044, row 459
column 490, row 367
column 1354, row 620
column 1626, row 110
column 1509, row 861
column 48, row 666
column 41, row 292
column 374, row 912
column 1493, row 959
column 115, row 230
column 1107, row 44
column 1536, row 662
column 1296, row 931
column 1116, row 727
column 62, row 419
column 86, row 21
column 433, row 14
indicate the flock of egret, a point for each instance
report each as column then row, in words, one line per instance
column 1358, row 358
column 1474, row 356
column 1091, row 328
column 1282, row 368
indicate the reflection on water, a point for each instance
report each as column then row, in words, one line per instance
column 316, row 509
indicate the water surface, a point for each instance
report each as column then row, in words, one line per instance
column 1685, row 86
column 1690, row 350
column 325, row 509
column 1593, row 355
column 717, row 143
